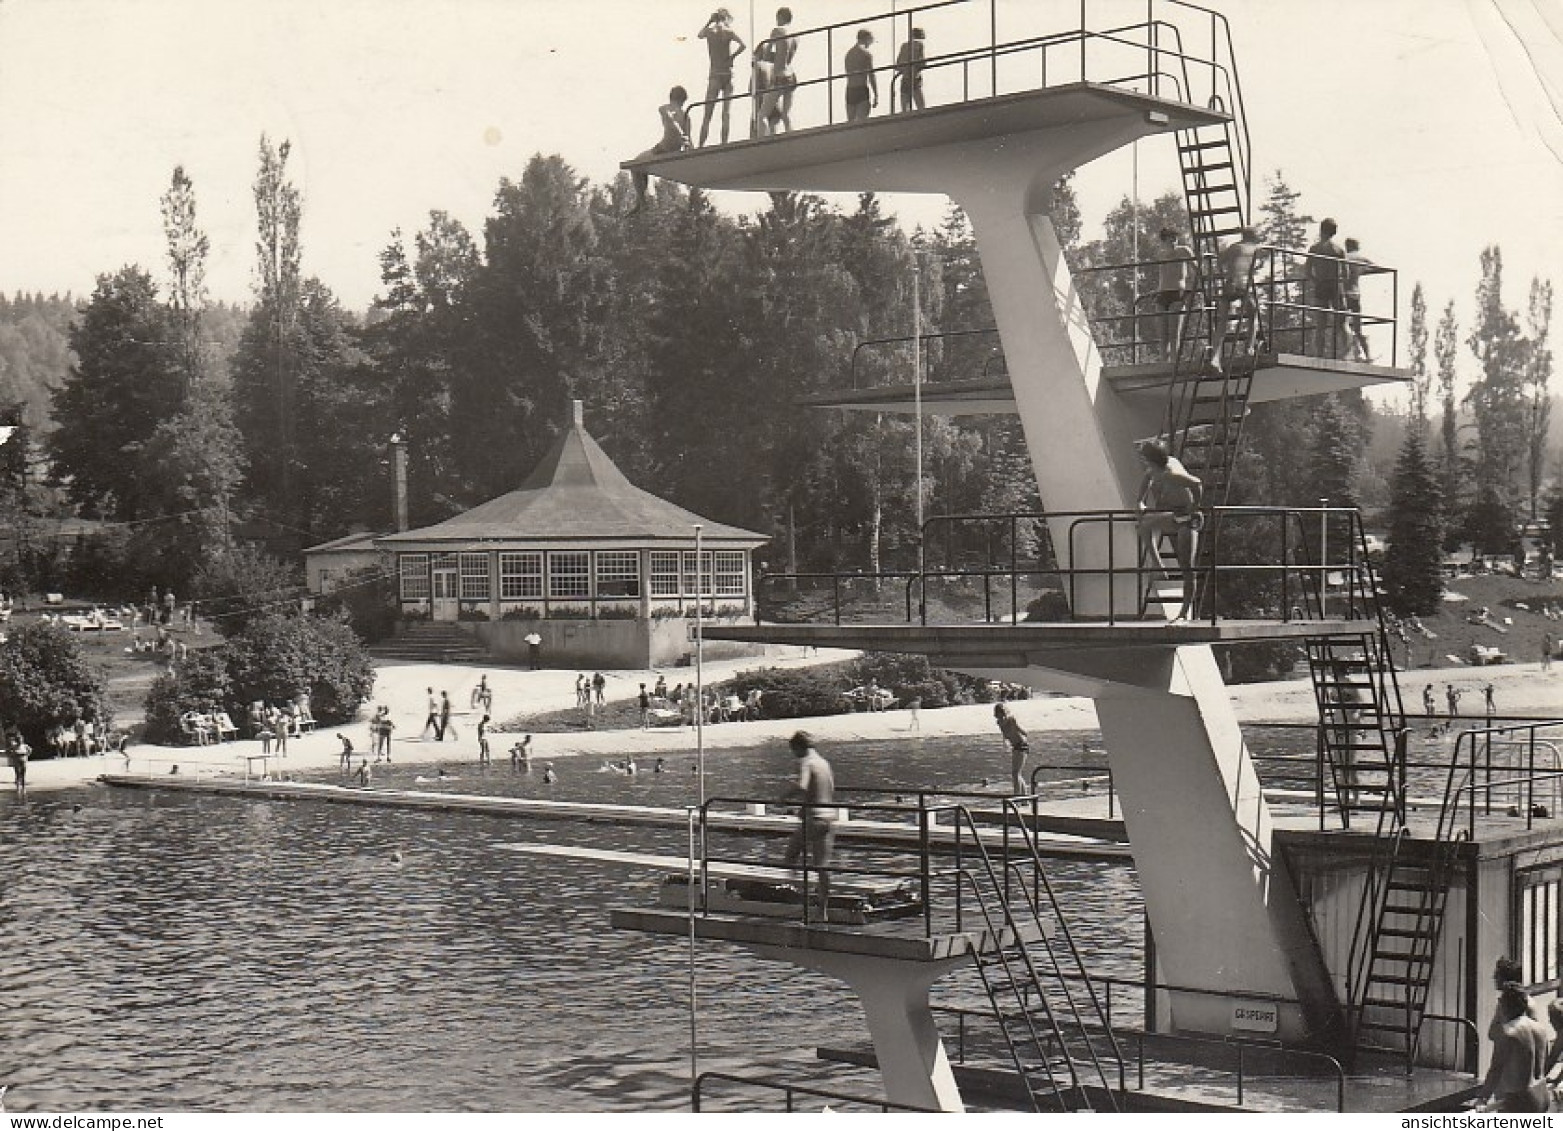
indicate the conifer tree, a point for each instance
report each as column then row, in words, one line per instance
column 1412, row 567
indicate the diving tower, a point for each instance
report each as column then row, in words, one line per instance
column 1223, row 908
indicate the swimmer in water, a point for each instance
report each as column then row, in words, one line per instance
column 660, row 766
column 365, row 774
column 629, row 766
column 549, row 777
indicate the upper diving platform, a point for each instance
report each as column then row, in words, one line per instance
column 1302, row 349
column 1072, row 125
column 1031, row 87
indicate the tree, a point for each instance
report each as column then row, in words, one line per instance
column 1413, row 565
column 1446, row 347
column 126, row 382
column 536, row 308
column 266, row 367
column 1418, row 349
column 187, row 250
column 1335, row 455
column 1282, row 224
column 45, row 682
column 1537, row 376
column 1497, row 399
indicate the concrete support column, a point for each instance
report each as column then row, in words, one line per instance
column 913, row 1065
column 1222, row 904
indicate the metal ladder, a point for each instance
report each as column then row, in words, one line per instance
column 1027, row 976
column 1355, row 729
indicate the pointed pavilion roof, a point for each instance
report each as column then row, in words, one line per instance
column 575, row 493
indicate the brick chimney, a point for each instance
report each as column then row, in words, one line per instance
column 399, row 480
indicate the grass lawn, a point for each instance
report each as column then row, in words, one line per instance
column 1502, row 595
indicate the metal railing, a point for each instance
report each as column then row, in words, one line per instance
column 1291, row 564
column 1148, row 56
column 790, row 1092
column 1476, row 775
column 1291, row 319
column 1243, row 1048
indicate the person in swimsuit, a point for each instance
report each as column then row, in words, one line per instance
column 1356, row 263
column 909, row 70
column 1175, row 289
column 1326, row 272
column 724, row 46
column 1169, row 505
column 862, row 83
column 1238, row 261
column 816, row 831
column 675, row 139
column 1019, row 744
column 775, row 104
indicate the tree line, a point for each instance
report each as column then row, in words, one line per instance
column 690, row 335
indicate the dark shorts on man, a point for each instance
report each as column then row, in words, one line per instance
column 856, row 94
column 1166, row 300
column 1327, row 294
column 719, row 85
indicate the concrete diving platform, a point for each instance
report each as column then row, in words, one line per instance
column 854, row 831
column 1012, row 645
column 1074, row 124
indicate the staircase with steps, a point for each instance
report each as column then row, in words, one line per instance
column 1041, row 996
column 1359, row 712
column 431, row 642
column 1403, row 904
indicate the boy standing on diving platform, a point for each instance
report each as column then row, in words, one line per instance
column 1169, row 505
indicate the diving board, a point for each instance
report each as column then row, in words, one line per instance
column 751, row 889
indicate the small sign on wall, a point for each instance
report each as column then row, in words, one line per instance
column 1255, row 1016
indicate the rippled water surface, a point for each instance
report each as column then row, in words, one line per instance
column 205, row 953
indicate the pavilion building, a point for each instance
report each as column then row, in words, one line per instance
column 603, row 571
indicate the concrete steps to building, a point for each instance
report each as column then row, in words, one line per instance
column 431, row 644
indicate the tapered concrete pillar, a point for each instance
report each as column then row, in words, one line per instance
column 913, row 1064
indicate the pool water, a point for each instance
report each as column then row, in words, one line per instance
column 182, row 952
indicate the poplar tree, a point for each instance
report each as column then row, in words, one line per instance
column 1420, row 378
column 1537, row 377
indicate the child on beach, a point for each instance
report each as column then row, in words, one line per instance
column 483, row 758
column 347, row 752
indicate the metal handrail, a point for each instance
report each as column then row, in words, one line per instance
column 1273, row 294
column 1332, row 1064
column 938, row 335
column 1002, row 890
column 697, row 1092
column 1352, row 565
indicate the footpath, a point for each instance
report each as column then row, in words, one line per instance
column 404, row 687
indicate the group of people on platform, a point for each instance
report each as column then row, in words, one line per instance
column 1332, row 302
column 773, row 82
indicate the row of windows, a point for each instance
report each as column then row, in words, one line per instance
column 569, row 574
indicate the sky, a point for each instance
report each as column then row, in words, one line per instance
column 1418, row 124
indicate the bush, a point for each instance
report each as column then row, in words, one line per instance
column 45, row 682
column 908, row 676
column 199, row 684
column 796, row 693
column 525, row 612
column 277, row 658
column 367, row 599
column 242, row 584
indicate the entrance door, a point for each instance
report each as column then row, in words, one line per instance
column 445, row 604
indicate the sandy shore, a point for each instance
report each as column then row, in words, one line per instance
column 1518, row 689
